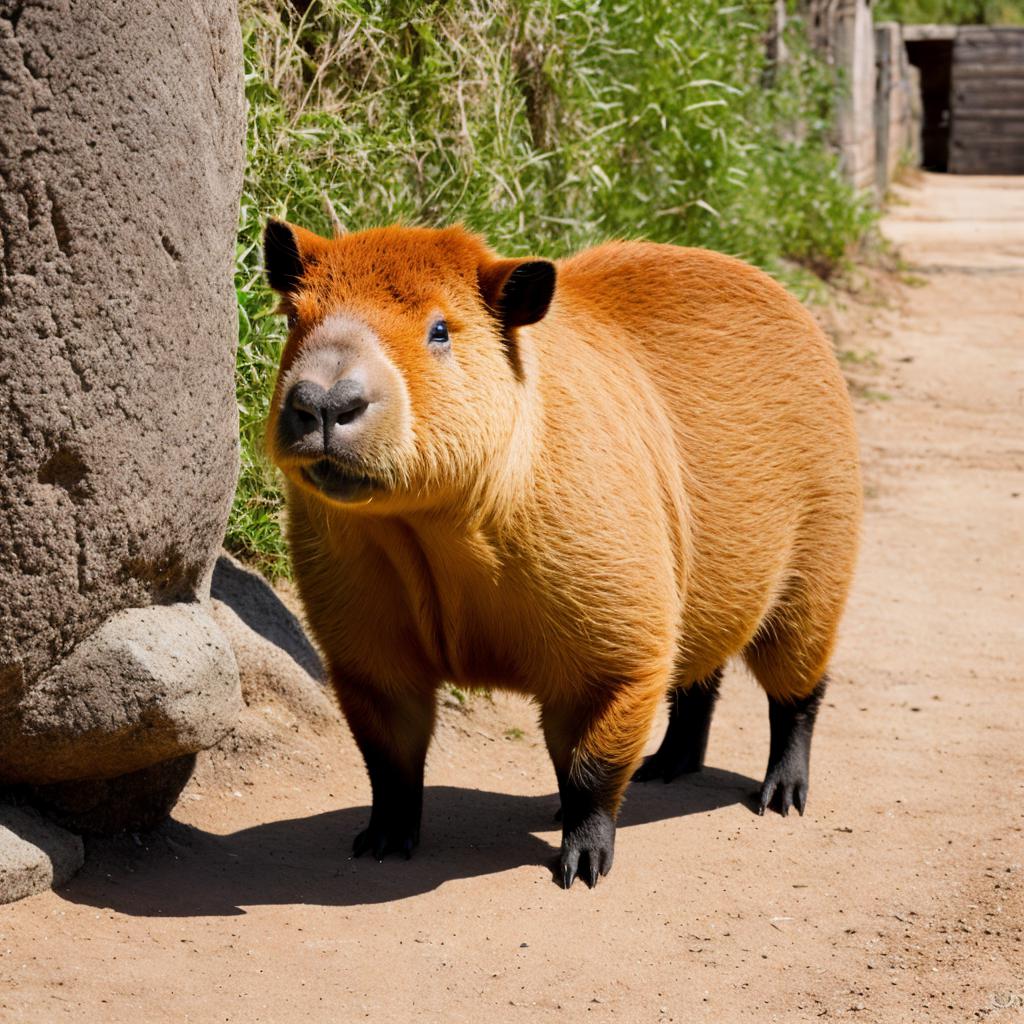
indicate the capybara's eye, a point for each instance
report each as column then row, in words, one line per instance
column 293, row 319
column 438, row 334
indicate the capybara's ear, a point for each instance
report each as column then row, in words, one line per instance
column 517, row 292
column 287, row 253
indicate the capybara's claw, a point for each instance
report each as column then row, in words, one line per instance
column 789, row 767
column 781, row 791
column 570, row 862
column 587, row 850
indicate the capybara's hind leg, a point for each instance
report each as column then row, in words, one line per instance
column 393, row 732
column 789, row 758
column 791, row 672
column 686, row 739
column 788, row 658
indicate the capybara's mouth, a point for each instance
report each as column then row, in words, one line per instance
column 339, row 482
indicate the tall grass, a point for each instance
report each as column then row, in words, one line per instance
column 544, row 124
column 951, row 12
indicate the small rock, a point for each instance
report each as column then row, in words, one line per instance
column 35, row 854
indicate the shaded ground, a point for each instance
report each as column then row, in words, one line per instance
column 899, row 897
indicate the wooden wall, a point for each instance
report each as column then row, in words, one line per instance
column 987, row 132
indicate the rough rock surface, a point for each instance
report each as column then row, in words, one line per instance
column 120, row 170
column 35, row 854
column 281, row 674
column 149, row 685
column 260, row 607
column 134, row 802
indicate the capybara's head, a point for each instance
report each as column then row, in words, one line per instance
column 403, row 383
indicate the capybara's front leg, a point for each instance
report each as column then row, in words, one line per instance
column 392, row 728
column 595, row 748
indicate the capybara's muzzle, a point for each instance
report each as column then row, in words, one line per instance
column 316, row 421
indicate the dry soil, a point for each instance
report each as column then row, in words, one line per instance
column 899, row 897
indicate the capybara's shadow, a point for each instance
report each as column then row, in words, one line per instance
column 181, row 871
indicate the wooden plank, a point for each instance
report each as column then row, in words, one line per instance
column 1010, row 68
column 972, row 44
column 964, row 72
column 993, row 114
column 972, row 47
column 985, row 165
column 970, row 35
column 929, row 33
column 992, row 161
column 1001, row 106
column 1009, row 93
column 982, row 139
column 988, row 140
column 996, row 113
column 1005, row 155
column 978, row 131
column 983, row 31
column 985, row 161
column 989, row 55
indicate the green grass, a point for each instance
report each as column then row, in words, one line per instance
column 874, row 395
column 852, row 357
column 546, row 125
column 951, row 12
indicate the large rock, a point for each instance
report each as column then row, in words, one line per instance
column 134, row 802
column 149, row 685
column 35, row 855
column 259, row 606
column 281, row 674
column 121, row 149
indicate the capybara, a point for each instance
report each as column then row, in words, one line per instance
column 590, row 481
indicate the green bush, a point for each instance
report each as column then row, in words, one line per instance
column 546, row 125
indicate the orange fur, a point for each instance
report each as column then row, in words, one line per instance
column 658, row 475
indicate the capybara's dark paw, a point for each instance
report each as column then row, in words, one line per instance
column 785, row 786
column 587, row 850
column 382, row 839
column 656, row 766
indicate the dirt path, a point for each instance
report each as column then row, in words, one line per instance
column 899, row 897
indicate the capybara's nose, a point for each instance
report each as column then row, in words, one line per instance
column 312, row 413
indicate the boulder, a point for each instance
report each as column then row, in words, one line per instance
column 121, row 155
column 149, row 685
column 134, row 802
column 281, row 674
column 259, row 606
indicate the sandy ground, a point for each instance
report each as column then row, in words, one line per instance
column 899, row 897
